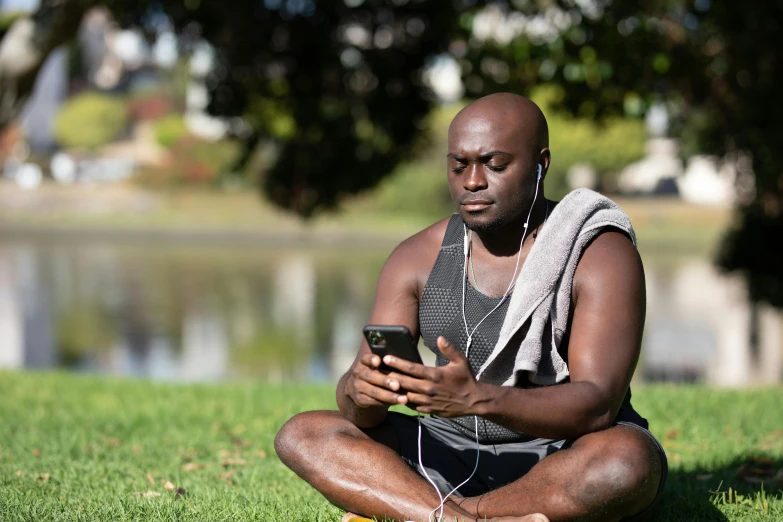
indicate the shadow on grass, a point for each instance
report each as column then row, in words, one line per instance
column 742, row 484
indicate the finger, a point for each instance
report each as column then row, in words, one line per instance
column 423, row 403
column 432, row 410
column 360, row 399
column 370, row 360
column 376, row 393
column 364, row 401
column 377, row 378
column 412, row 384
column 450, row 351
column 405, row 366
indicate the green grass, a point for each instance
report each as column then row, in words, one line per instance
column 79, row 447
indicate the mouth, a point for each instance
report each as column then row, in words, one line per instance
column 476, row 205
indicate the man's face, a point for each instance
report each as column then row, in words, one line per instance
column 491, row 171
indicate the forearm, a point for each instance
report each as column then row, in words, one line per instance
column 564, row 411
column 368, row 417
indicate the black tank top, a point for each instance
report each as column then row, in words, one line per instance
column 440, row 313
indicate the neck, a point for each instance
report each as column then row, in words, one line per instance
column 505, row 241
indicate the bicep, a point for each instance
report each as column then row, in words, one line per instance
column 608, row 320
column 396, row 298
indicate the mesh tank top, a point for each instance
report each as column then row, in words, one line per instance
column 440, row 313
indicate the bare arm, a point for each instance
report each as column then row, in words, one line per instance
column 364, row 394
column 604, row 347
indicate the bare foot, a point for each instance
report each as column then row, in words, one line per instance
column 536, row 517
column 353, row 517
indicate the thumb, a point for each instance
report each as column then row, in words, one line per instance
column 450, row 351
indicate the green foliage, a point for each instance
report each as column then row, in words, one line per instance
column 90, row 120
column 607, row 146
column 420, row 187
column 170, row 129
column 714, row 65
column 335, row 88
column 349, row 104
column 192, row 162
column 416, row 188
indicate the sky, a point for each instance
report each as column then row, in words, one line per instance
column 18, row 5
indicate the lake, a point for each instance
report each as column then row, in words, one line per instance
column 207, row 312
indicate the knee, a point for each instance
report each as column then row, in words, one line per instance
column 302, row 435
column 627, row 467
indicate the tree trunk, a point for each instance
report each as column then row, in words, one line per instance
column 26, row 45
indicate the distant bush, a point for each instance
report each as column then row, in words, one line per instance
column 193, row 162
column 170, row 129
column 420, row 185
column 607, row 146
column 90, row 120
column 416, row 188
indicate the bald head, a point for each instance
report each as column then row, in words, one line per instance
column 507, row 113
column 497, row 160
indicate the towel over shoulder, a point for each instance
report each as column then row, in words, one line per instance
column 542, row 294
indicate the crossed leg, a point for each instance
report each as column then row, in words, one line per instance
column 603, row 476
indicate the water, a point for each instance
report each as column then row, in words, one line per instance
column 280, row 313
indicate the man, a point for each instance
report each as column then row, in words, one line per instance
column 575, row 450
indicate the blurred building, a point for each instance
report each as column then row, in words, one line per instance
column 51, row 89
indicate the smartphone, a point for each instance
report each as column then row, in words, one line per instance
column 391, row 340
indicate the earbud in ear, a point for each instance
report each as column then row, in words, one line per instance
column 539, row 172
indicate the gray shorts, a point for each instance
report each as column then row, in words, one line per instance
column 449, row 456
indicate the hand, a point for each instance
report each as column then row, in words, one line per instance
column 447, row 391
column 367, row 386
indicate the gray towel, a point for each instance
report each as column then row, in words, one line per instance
column 542, row 293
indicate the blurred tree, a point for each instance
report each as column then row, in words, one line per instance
column 90, row 120
column 169, row 130
column 336, row 84
column 716, row 67
column 192, row 162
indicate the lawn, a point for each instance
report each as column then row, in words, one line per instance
column 91, row 448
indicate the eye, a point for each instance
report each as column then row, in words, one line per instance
column 497, row 168
column 457, row 170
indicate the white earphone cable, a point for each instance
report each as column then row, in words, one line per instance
column 469, row 245
column 432, row 483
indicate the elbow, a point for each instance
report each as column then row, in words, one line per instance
column 599, row 421
column 601, row 413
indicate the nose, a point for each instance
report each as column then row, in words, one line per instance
column 475, row 179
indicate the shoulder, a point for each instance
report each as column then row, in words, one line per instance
column 414, row 258
column 428, row 239
column 610, row 264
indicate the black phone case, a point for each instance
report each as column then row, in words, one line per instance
column 398, row 342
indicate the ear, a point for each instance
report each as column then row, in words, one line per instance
column 544, row 159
